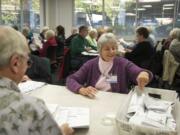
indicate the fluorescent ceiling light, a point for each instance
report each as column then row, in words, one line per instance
column 87, row 2
column 167, row 8
column 168, row 5
column 147, row 6
column 141, row 9
column 79, row 9
column 130, row 14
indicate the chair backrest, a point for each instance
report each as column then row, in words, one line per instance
column 155, row 65
column 40, row 69
column 65, row 67
column 51, row 53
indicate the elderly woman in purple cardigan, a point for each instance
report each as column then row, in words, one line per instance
column 107, row 72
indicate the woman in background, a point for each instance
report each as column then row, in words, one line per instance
column 92, row 35
column 60, row 39
column 143, row 51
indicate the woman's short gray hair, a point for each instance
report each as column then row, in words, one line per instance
column 11, row 42
column 106, row 38
column 49, row 34
column 174, row 33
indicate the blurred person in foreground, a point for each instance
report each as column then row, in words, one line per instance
column 21, row 114
column 107, row 72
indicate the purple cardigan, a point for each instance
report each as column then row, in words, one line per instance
column 89, row 74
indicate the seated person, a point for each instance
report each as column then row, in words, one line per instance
column 42, row 34
column 60, row 39
column 32, row 42
column 49, row 47
column 143, row 50
column 21, row 114
column 92, row 37
column 172, row 35
column 78, row 45
column 74, row 32
column 107, row 72
column 174, row 47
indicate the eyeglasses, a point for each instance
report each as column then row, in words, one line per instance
column 29, row 63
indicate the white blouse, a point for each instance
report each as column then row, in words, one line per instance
column 104, row 68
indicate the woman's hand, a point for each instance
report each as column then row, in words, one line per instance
column 142, row 79
column 66, row 130
column 88, row 91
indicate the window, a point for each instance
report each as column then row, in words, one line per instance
column 126, row 15
column 20, row 13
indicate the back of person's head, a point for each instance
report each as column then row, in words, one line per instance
column 49, row 34
column 93, row 33
column 44, row 29
column 100, row 31
column 15, row 27
column 174, row 33
column 25, row 31
column 74, row 31
column 143, row 31
column 105, row 39
column 14, row 43
column 60, row 30
column 178, row 34
column 108, row 29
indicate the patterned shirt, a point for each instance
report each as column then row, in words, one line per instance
column 23, row 115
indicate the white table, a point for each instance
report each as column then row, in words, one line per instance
column 104, row 103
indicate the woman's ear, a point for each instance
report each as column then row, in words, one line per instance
column 14, row 64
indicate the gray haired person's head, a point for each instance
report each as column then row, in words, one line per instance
column 49, row 34
column 174, row 33
column 11, row 42
column 105, row 39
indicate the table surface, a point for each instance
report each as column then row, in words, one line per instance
column 105, row 104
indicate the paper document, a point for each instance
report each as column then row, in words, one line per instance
column 145, row 110
column 30, row 85
column 93, row 51
column 76, row 117
column 89, row 54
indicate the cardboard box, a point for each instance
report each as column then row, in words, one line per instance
column 125, row 128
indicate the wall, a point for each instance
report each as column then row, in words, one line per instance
column 57, row 12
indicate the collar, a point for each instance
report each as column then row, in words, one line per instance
column 104, row 66
column 9, row 84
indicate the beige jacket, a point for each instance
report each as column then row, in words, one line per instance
column 170, row 66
